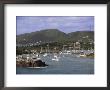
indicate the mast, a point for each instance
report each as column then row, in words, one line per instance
column 41, row 50
column 48, row 47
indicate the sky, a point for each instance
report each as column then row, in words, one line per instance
column 67, row 24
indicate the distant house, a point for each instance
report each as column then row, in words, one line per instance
column 77, row 46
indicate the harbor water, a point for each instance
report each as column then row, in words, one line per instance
column 67, row 64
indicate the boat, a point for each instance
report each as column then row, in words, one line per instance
column 66, row 52
column 82, row 54
column 56, row 58
column 38, row 57
column 45, row 54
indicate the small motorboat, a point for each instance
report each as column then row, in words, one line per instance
column 56, row 58
column 45, row 54
column 82, row 54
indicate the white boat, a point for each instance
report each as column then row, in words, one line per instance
column 45, row 54
column 81, row 55
column 27, row 58
column 67, row 52
column 56, row 58
column 38, row 58
column 37, row 55
column 61, row 53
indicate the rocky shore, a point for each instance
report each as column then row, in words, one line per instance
column 37, row 63
column 91, row 55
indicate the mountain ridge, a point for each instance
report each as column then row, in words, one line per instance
column 47, row 35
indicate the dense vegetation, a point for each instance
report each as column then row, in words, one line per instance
column 52, row 46
column 52, row 39
column 53, row 35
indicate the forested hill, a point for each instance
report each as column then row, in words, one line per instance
column 53, row 35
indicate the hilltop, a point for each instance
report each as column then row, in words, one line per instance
column 53, row 35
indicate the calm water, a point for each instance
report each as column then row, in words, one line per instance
column 67, row 64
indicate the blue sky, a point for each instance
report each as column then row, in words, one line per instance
column 67, row 24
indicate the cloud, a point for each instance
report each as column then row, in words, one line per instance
column 68, row 24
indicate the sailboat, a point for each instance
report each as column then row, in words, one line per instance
column 41, row 49
column 47, row 51
column 45, row 54
column 56, row 58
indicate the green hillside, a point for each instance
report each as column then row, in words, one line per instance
column 53, row 35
